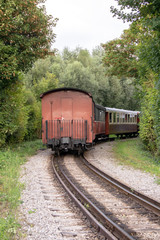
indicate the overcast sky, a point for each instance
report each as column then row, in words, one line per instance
column 84, row 23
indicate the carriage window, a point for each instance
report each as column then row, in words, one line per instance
column 114, row 117
column 120, row 117
column 110, row 117
column 96, row 114
column 129, row 118
column 117, row 117
column 101, row 116
column 126, row 118
column 135, row 118
column 132, row 118
column 123, row 117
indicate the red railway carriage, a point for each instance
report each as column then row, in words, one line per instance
column 99, row 121
column 67, row 119
column 71, row 120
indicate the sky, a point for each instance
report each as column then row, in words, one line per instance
column 84, row 23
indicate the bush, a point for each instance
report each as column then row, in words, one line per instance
column 34, row 116
column 147, row 119
column 13, row 114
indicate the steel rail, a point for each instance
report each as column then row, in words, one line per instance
column 142, row 199
column 103, row 224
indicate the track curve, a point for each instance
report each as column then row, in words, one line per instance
column 116, row 215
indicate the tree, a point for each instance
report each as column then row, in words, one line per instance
column 146, row 15
column 120, row 55
column 13, row 114
column 26, row 35
column 84, row 57
column 46, row 83
column 76, row 75
column 139, row 9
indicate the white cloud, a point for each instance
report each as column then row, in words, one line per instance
column 84, row 23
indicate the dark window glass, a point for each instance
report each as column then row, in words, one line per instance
column 110, row 117
column 117, row 117
column 114, row 117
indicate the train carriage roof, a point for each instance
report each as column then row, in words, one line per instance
column 65, row 89
column 121, row 111
column 100, row 107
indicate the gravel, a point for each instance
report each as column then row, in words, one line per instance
column 40, row 213
column 102, row 157
column 46, row 212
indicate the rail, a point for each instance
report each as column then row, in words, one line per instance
column 103, row 224
column 149, row 203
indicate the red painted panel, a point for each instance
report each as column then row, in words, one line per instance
column 107, row 123
column 99, row 128
column 66, row 108
column 67, row 105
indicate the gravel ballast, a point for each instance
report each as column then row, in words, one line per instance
column 102, row 157
column 41, row 214
column 46, row 212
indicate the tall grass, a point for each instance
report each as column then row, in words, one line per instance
column 11, row 159
column 132, row 152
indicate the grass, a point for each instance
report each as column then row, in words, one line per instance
column 11, row 159
column 132, row 152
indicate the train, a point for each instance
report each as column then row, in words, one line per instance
column 71, row 120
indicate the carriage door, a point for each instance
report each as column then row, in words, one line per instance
column 67, row 116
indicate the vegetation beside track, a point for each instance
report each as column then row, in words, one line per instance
column 133, row 153
column 11, row 160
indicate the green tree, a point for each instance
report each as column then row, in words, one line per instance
column 70, row 56
column 13, row 114
column 139, row 9
column 33, row 107
column 145, row 16
column 147, row 13
column 46, row 83
column 25, row 35
column 76, row 75
column 84, row 57
column 120, row 55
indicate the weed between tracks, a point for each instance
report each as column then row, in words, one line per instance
column 132, row 153
column 10, row 188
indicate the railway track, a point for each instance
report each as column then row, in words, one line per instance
column 117, row 211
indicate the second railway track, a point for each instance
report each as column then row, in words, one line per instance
column 117, row 211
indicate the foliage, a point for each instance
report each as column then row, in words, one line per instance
column 80, row 69
column 77, row 68
column 120, row 55
column 26, row 34
column 13, row 114
column 145, row 16
column 147, row 132
column 139, row 9
column 34, row 116
column 76, row 75
column 10, row 161
column 46, row 83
